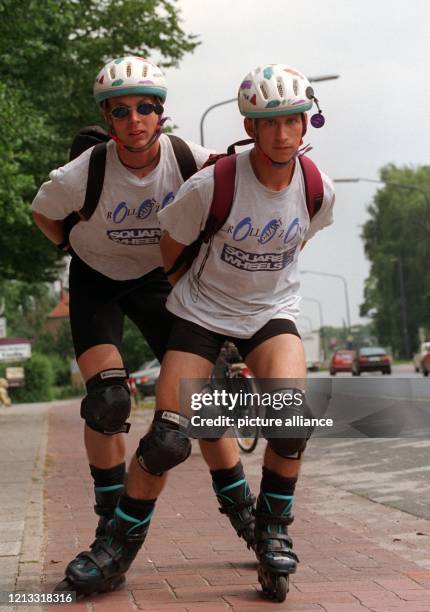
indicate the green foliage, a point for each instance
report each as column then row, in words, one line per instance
column 135, row 349
column 398, row 234
column 23, row 249
column 39, row 378
column 53, row 49
column 27, row 306
column 58, row 348
column 50, row 53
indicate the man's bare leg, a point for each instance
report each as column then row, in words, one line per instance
column 280, row 357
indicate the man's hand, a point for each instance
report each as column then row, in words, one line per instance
column 170, row 251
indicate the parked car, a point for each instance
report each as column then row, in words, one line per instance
column 418, row 357
column 371, row 359
column 146, row 377
column 425, row 364
column 341, row 361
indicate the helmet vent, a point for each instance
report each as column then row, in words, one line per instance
column 128, row 71
column 280, row 87
column 295, row 86
column 145, row 71
column 112, row 72
column 264, row 92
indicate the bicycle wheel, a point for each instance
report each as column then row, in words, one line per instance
column 245, row 429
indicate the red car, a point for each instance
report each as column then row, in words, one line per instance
column 425, row 364
column 341, row 361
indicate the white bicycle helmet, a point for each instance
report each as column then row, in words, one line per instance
column 129, row 75
column 274, row 89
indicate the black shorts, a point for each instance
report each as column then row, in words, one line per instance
column 98, row 305
column 192, row 338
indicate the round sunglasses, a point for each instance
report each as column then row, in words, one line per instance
column 145, row 108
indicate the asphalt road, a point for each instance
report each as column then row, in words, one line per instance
column 395, row 470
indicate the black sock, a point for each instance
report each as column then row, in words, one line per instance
column 136, row 508
column 108, row 477
column 224, row 478
column 272, row 482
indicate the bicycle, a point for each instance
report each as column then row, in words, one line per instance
column 246, row 434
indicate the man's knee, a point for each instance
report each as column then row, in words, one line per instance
column 166, row 444
column 289, row 440
column 107, row 405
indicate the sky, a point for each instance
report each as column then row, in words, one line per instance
column 377, row 111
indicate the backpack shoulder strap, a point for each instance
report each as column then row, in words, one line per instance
column 222, row 201
column 184, row 157
column 96, row 175
column 313, row 185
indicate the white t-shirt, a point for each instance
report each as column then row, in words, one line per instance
column 121, row 239
column 250, row 275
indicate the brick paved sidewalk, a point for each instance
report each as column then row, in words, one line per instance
column 355, row 555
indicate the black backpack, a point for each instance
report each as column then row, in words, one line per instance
column 97, row 137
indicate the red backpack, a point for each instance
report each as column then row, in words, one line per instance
column 222, row 202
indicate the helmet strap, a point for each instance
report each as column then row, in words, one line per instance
column 156, row 135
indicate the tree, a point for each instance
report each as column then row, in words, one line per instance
column 397, row 243
column 23, row 146
column 26, row 307
column 50, row 52
column 135, row 349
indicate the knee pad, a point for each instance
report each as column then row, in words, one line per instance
column 290, row 439
column 107, row 405
column 166, row 444
column 288, row 448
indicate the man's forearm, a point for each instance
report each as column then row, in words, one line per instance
column 170, row 251
column 52, row 228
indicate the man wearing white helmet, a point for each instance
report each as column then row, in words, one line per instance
column 116, row 267
column 244, row 286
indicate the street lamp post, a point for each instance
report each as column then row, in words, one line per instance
column 202, row 140
column 390, row 184
column 308, row 299
column 328, row 77
column 345, row 288
column 403, row 307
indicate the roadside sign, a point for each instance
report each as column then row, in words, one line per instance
column 14, row 351
column 15, row 376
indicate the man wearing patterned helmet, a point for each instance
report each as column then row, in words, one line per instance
column 248, row 290
column 120, row 83
column 278, row 94
column 116, row 266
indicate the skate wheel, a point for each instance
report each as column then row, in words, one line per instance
column 281, row 588
column 83, row 590
column 64, row 585
column 116, row 582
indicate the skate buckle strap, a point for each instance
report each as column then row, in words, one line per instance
column 275, row 543
column 263, row 536
column 111, row 553
column 273, row 518
column 287, row 552
column 246, row 503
